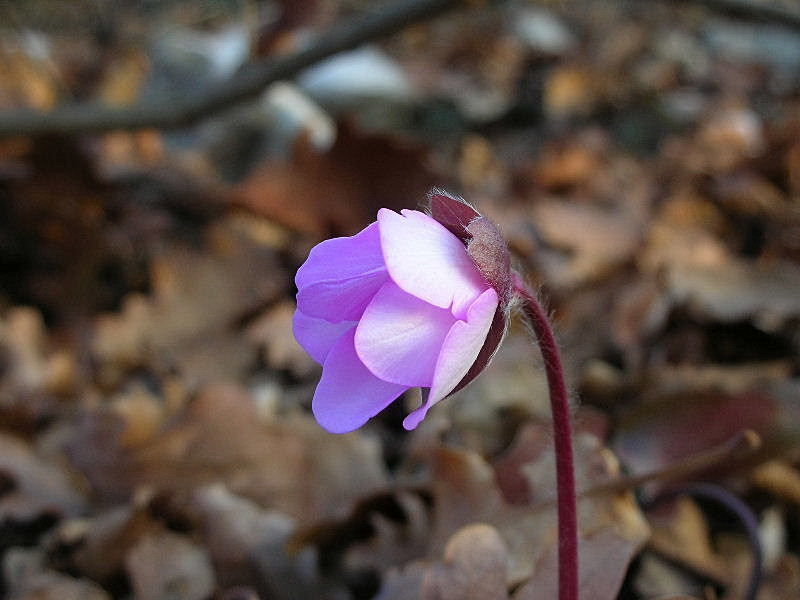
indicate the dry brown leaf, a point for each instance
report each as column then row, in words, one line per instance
column 571, row 91
column 272, row 331
column 682, row 535
column 594, row 240
column 219, row 437
column 778, row 478
column 36, row 486
column 473, row 567
column 198, row 299
column 702, row 274
column 339, row 191
column 671, row 428
column 250, row 544
column 26, row 577
column 465, row 491
column 102, row 542
column 169, row 566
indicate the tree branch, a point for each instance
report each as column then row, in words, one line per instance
column 766, row 12
column 171, row 112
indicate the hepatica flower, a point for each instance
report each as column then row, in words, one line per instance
column 413, row 300
column 421, row 300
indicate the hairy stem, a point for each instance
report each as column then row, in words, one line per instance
column 562, row 430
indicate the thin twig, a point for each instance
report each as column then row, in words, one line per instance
column 740, row 446
column 171, row 112
column 766, row 12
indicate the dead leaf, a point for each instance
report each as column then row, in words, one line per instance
column 219, row 437
column 169, row 566
column 341, row 190
column 674, row 427
column 102, row 542
column 473, row 567
column 35, row 486
column 465, row 491
column 249, row 544
column 682, row 536
column 26, row 577
column 273, row 332
column 593, row 241
column 198, row 299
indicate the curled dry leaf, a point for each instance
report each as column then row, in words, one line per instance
column 465, row 491
column 34, row 486
column 249, row 543
column 338, row 191
column 473, row 567
column 681, row 535
column 102, row 542
column 272, row 331
column 595, row 240
column 198, row 298
column 26, row 577
column 219, row 437
column 169, row 566
column 702, row 274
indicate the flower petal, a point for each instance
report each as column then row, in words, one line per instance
column 348, row 395
column 342, row 258
column 459, row 351
column 400, row 336
column 428, row 261
column 343, row 300
column 317, row 336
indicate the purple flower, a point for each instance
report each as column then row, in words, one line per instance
column 411, row 301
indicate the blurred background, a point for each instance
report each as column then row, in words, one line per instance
column 166, row 166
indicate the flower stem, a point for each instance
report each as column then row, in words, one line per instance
column 562, row 430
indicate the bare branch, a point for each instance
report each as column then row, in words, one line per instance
column 755, row 10
column 170, row 113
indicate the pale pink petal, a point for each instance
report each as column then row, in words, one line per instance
column 342, row 258
column 428, row 261
column 459, row 351
column 399, row 336
column 318, row 336
column 348, row 395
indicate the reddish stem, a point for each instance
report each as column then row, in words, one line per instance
column 562, row 430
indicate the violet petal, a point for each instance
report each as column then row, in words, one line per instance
column 342, row 258
column 343, row 300
column 318, row 336
column 348, row 395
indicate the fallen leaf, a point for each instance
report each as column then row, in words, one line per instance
column 168, row 565
column 26, row 577
column 341, row 190
column 272, row 331
column 35, row 486
column 219, row 437
column 473, row 567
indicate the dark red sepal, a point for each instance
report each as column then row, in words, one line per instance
column 489, row 252
column 454, row 213
column 485, row 245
